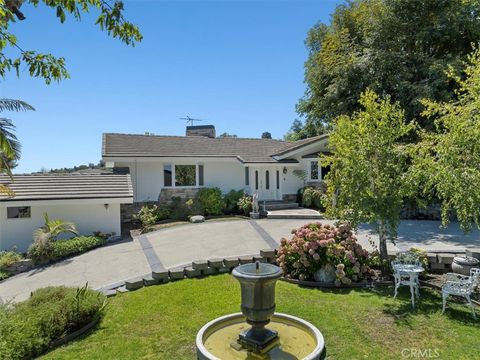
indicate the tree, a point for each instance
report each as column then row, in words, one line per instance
column 47, row 66
column 266, row 135
column 227, row 135
column 367, row 181
column 446, row 164
column 52, row 229
column 396, row 47
column 9, row 145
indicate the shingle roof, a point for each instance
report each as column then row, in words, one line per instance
column 67, row 186
column 246, row 150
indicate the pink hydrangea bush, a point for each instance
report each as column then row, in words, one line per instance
column 315, row 246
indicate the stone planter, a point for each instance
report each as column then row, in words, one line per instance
column 463, row 264
column 325, row 275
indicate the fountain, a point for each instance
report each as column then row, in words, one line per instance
column 258, row 332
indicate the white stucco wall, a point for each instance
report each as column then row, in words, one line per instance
column 225, row 175
column 87, row 217
column 147, row 179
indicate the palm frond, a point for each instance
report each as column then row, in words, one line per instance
column 14, row 105
column 9, row 144
column 5, row 190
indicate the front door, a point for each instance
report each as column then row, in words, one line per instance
column 264, row 183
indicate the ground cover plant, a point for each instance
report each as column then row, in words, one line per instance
column 27, row 329
column 160, row 322
column 7, row 259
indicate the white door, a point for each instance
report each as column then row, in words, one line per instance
column 264, row 183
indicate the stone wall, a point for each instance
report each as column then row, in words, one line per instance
column 289, row 197
column 128, row 210
column 166, row 194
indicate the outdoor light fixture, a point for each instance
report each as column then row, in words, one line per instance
column 284, row 169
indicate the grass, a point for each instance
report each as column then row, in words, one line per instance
column 160, row 322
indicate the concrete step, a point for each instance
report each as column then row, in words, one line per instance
column 299, row 213
column 280, row 206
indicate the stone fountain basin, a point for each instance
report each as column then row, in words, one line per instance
column 298, row 339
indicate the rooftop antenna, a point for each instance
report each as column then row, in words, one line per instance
column 190, row 120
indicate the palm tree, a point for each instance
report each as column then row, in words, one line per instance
column 9, row 144
column 52, row 229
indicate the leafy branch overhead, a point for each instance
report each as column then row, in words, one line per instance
column 47, row 66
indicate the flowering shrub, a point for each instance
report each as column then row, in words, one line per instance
column 333, row 249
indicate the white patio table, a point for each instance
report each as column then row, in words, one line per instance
column 407, row 274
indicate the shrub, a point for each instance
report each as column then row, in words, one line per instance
column 147, row 215
column 245, row 204
column 312, row 197
column 315, row 246
column 42, row 252
column 179, row 209
column 52, row 229
column 27, row 329
column 231, row 201
column 8, row 258
column 210, row 199
column 163, row 212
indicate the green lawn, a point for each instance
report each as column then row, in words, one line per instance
column 160, row 322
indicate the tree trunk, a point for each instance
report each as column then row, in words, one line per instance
column 382, row 235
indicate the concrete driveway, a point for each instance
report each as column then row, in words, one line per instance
column 182, row 244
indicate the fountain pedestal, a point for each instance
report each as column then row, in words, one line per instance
column 257, row 282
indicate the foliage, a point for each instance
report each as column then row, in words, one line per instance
column 210, row 199
column 9, row 145
column 396, row 47
column 231, row 200
column 266, row 135
column 179, row 209
column 367, row 181
column 422, row 257
column 227, row 135
column 52, row 229
column 44, row 251
column 147, row 215
column 27, row 329
column 47, row 66
column 312, row 197
column 8, row 258
column 315, row 246
column 446, row 164
column 301, row 174
column 245, row 203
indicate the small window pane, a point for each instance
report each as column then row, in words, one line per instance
column 325, row 171
column 200, row 175
column 267, row 179
column 247, row 176
column 314, row 170
column 19, row 212
column 256, row 179
column 185, row 175
column 278, row 179
column 167, row 175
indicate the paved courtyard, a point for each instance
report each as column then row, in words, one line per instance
column 181, row 244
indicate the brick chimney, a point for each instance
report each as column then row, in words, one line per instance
column 201, row 130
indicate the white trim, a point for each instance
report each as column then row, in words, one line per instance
column 302, row 148
column 4, row 204
column 168, row 159
column 319, row 171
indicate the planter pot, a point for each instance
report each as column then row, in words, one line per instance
column 325, row 275
column 463, row 264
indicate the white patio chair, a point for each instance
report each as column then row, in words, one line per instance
column 406, row 269
column 461, row 285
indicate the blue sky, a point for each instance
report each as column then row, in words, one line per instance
column 238, row 64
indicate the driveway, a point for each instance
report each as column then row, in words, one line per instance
column 182, row 244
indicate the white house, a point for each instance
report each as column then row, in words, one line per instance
column 163, row 166
column 92, row 202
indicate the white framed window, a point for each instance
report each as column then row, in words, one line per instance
column 19, row 212
column 314, row 171
column 183, row 175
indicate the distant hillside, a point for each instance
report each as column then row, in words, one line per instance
column 90, row 168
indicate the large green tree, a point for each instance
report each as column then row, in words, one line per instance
column 47, row 66
column 446, row 163
column 368, row 178
column 396, row 47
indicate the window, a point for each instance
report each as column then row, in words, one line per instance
column 185, row 175
column 256, row 179
column 314, row 170
column 267, row 179
column 167, row 175
column 247, row 176
column 278, row 179
column 325, row 171
column 200, row 175
column 19, row 212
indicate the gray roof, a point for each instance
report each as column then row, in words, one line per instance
column 245, row 150
column 67, row 186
